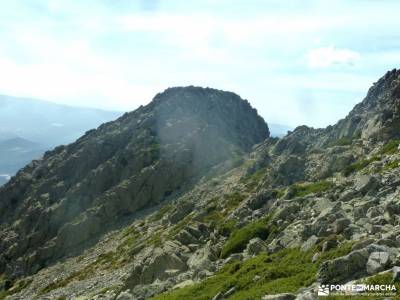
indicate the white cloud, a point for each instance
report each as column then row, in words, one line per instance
column 328, row 56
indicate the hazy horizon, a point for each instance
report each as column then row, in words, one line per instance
column 307, row 62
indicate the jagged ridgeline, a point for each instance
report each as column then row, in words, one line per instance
column 189, row 198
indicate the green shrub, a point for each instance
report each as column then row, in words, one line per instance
column 239, row 238
column 301, row 190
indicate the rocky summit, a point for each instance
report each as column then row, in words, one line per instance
column 189, row 197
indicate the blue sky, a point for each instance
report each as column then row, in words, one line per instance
column 297, row 62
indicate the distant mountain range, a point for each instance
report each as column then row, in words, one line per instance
column 29, row 127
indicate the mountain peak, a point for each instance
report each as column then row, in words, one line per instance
column 136, row 162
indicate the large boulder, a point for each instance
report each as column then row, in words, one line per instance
column 254, row 247
column 202, row 259
column 366, row 183
column 377, row 262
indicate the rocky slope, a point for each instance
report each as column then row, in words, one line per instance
column 221, row 211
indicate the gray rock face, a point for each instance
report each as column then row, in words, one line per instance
column 311, row 242
column 77, row 192
column 377, row 262
column 340, row 225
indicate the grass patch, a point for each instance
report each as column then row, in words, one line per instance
column 233, row 200
column 390, row 148
column 391, row 165
column 285, row 271
column 155, row 239
column 162, row 211
column 301, row 190
column 280, row 193
column 240, row 237
column 3, row 295
column 178, row 227
column 15, row 288
column 251, row 181
column 219, row 208
column 130, row 237
column 359, row 165
column 227, row 227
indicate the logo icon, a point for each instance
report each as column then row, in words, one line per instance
column 323, row 290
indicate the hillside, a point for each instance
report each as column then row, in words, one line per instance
column 190, row 198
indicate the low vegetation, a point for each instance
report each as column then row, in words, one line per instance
column 301, row 190
column 359, row 165
column 285, row 271
column 240, row 237
column 391, row 165
column 15, row 288
column 390, row 148
column 252, row 180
